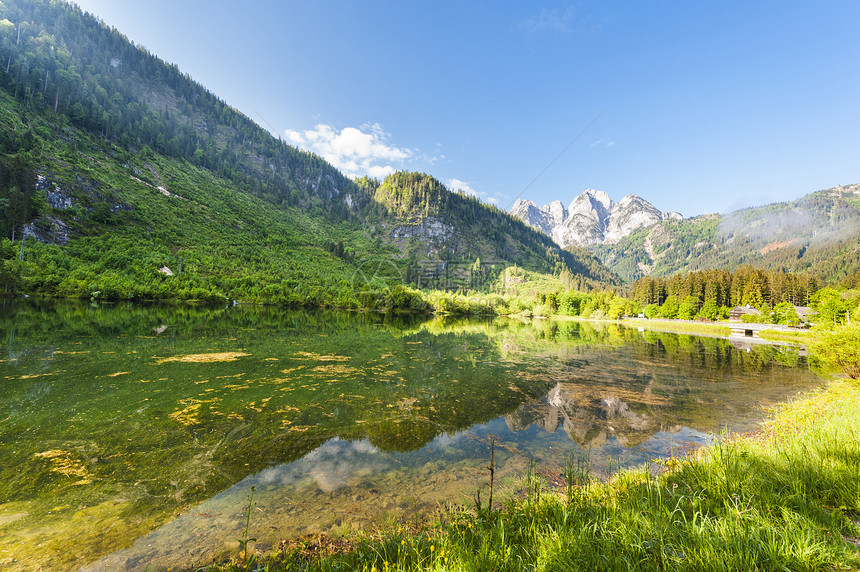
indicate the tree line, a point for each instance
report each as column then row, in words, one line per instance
column 745, row 286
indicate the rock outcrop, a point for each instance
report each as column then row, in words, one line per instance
column 545, row 218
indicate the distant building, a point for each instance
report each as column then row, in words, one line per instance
column 805, row 313
column 738, row 312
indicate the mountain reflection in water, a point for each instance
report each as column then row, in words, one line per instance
column 116, row 419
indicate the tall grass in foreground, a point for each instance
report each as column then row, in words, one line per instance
column 784, row 498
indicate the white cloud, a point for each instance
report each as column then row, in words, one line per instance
column 551, row 21
column 603, row 143
column 380, row 171
column 354, row 151
column 456, row 185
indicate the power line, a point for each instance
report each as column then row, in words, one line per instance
column 557, row 157
column 273, row 131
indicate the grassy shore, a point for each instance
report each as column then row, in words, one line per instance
column 681, row 326
column 722, row 329
column 800, row 337
column 786, row 497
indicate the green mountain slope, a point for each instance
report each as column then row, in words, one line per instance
column 122, row 168
column 59, row 59
column 452, row 240
column 818, row 233
column 108, row 220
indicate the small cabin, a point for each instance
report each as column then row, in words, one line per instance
column 738, row 312
column 805, row 313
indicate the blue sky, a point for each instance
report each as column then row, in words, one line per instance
column 696, row 106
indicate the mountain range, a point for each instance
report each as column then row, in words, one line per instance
column 819, row 233
column 118, row 168
column 592, row 218
column 129, row 180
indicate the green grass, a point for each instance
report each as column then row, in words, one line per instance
column 800, row 337
column 786, row 497
column 682, row 327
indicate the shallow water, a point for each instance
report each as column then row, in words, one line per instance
column 135, row 434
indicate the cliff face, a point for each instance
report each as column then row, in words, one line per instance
column 587, row 219
column 536, row 217
column 592, row 218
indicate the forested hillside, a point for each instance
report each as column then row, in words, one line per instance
column 132, row 181
column 61, row 60
column 101, row 222
column 433, row 228
column 818, row 233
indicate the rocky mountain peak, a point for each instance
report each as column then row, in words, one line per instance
column 532, row 215
column 557, row 211
column 543, row 218
column 592, row 203
column 591, row 218
column 630, row 214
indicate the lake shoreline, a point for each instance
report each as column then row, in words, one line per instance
column 343, row 421
column 713, row 508
column 719, row 329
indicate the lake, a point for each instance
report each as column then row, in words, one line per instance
column 131, row 436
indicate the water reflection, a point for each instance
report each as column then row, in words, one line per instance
column 117, row 418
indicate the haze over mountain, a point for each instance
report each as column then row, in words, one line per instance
column 818, row 233
column 592, row 218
